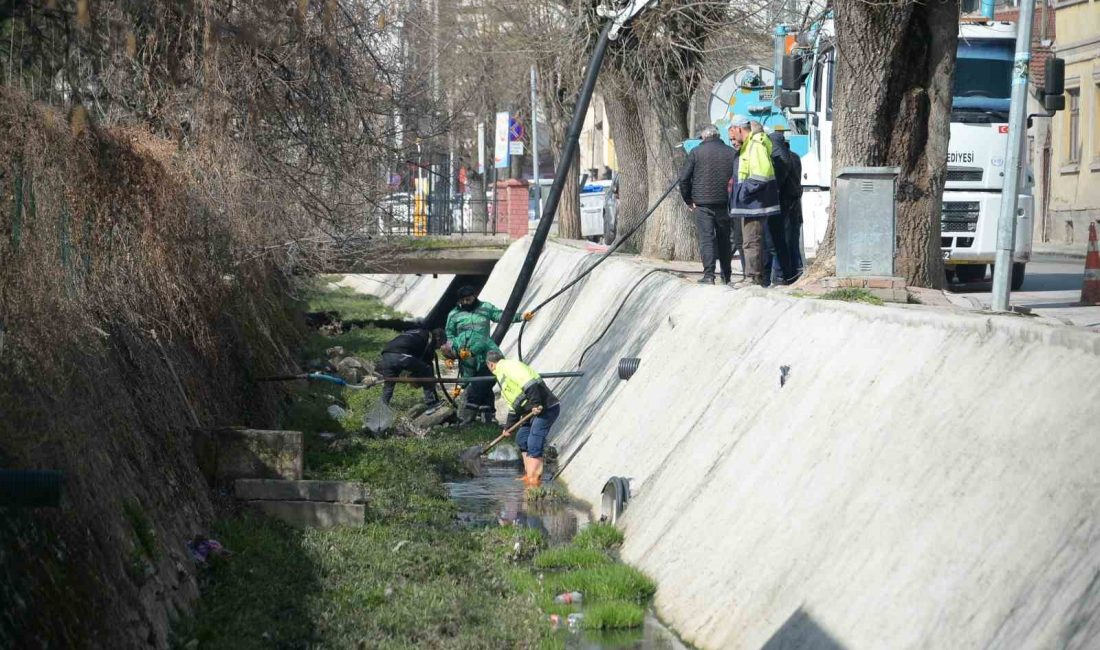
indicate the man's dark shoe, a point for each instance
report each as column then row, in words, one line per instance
column 725, row 279
column 706, row 280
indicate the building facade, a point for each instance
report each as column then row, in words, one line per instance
column 1074, row 184
column 596, row 145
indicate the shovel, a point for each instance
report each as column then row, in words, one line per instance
column 471, row 454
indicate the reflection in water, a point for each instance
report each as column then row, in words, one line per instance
column 495, row 498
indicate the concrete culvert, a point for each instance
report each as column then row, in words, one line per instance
column 616, row 494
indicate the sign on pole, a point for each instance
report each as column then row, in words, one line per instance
column 501, row 159
column 515, row 148
column 515, row 130
column 481, row 148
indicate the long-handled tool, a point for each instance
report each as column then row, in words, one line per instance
column 370, row 382
column 471, row 454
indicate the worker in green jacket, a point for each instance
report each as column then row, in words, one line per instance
column 525, row 392
column 468, row 329
column 470, row 349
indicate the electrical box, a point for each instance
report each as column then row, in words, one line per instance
column 865, row 226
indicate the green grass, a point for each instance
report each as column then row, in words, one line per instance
column 145, row 538
column 411, row 577
column 613, row 615
column 351, row 305
column 603, row 583
column 600, row 536
column 571, row 557
column 436, row 243
column 544, row 494
column 851, row 294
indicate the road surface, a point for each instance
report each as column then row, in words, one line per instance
column 1052, row 288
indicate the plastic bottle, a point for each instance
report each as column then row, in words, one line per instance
column 569, row 598
column 575, row 619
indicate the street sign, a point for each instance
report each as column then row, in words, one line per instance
column 515, row 148
column 500, row 150
column 515, row 130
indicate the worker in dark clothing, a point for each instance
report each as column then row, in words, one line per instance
column 778, row 262
column 704, row 186
column 411, row 352
column 790, row 194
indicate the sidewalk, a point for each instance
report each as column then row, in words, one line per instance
column 1054, row 250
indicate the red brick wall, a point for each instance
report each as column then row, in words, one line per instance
column 512, row 204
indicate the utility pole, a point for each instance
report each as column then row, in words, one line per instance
column 535, row 138
column 1017, row 125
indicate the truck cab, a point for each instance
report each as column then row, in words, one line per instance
column 975, row 166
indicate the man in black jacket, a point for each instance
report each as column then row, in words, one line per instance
column 778, row 268
column 790, row 197
column 411, row 351
column 704, row 186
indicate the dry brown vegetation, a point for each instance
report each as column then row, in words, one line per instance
column 164, row 167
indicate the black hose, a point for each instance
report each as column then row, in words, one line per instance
column 600, row 260
column 565, row 161
column 617, row 312
column 439, row 375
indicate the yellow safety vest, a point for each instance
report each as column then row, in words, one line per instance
column 514, row 377
column 756, row 159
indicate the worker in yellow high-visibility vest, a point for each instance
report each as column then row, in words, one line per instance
column 525, row 392
column 755, row 196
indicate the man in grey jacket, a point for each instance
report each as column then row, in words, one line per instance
column 704, row 186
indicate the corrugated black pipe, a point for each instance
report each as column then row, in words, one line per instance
column 565, row 160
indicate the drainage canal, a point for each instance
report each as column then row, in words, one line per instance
column 496, row 498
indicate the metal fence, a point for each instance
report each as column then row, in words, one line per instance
column 419, row 215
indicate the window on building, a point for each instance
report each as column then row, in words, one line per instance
column 1095, row 129
column 1073, row 112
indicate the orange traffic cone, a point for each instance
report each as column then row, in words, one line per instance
column 1090, row 288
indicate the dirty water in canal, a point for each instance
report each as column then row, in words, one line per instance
column 496, row 498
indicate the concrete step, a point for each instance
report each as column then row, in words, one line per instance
column 313, row 514
column 281, row 490
column 225, row 454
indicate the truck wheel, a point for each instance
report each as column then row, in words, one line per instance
column 1018, row 275
column 967, row 273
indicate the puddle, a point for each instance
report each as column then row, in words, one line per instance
column 653, row 635
column 495, row 498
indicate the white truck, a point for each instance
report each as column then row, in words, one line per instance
column 975, row 162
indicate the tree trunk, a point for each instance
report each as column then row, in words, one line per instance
column 569, row 208
column 625, row 123
column 479, row 206
column 895, row 70
column 670, row 232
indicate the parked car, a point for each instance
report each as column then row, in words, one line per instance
column 393, row 213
